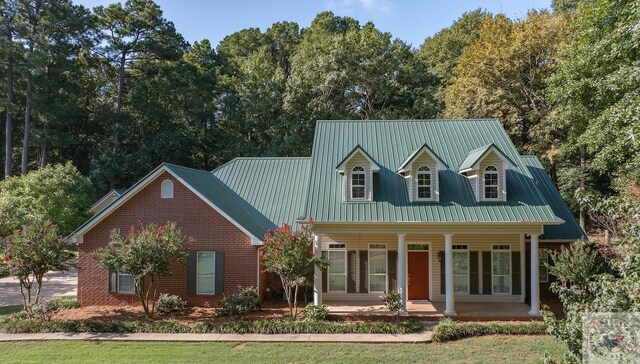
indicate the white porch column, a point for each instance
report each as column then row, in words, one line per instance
column 402, row 271
column 535, row 286
column 317, row 273
column 523, row 268
column 448, row 272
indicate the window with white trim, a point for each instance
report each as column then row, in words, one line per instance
column 543, row 270
column 126, row 283
column 424, row 183
column 460, row 269
column 418, row 247
column 501, row 269
column 337, row 271
column 491, row 182
column 377, row 267
column 358, row 183
column 206, row 273
column 166, row 189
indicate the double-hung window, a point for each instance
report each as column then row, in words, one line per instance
column 460, row 269
column 126, row 283
column 206, row 273
column 377, row 267
column 424, row 183
column 501, row 269
column 358, row 183
column 491, row 182
column 337, row 270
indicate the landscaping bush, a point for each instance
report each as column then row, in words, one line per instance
column 239, row 303
column 447, row 329
column 45, row 310
column 170, row 303
column 393, row 302
column 20, row 323
column 315, row 313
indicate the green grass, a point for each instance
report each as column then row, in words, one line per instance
column 5, row 310
column 488, row 349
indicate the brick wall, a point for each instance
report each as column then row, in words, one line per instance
column 210, row 231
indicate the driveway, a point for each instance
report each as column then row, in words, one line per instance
column 55, row 284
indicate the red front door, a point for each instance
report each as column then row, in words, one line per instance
column 418, row 275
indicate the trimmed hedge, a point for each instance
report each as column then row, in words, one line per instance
column 447, row 329
column 19, row 323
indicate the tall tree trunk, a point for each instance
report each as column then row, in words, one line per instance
column 583, row 185
column 118, row 121
column 42, row 161
column 9, row 120
column 27, row 120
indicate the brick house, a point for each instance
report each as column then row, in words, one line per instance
column 439, row 210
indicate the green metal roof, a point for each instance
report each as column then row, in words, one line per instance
column 273, row 189
column 389, row 142
column 415, row 153
column 476, row 154
column 570, row 230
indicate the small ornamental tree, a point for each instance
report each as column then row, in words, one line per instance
column 146, row 252
column 29, row 253
column 289, row 255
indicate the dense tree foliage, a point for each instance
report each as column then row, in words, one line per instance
column 116, row 90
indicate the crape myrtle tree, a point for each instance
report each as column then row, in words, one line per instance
column 289, row 254
column 29, row 253
column 146, row 252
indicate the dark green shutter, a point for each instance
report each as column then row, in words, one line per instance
column 325, row 282
column 515, row 273
column 392, row 268
column 443, row 284
column 486, row 273
column 113, row 281
column 351, row 271
column 219, row 272
column 364, row 267
column 474, row 273
column 192, row 262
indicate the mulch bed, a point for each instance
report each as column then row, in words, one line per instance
column 268, row 310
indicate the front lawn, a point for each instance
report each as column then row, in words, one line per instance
column 5, row 310
column 488, row 349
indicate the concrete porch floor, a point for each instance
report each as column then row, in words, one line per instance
column 425, row 310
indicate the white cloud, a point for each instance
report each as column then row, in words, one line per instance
column 373, row 6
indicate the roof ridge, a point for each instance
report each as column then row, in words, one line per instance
column 184, row 167
column 401, row 120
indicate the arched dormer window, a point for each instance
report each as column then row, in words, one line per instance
column 491, row 182
column 424, row 182
column 358, row 183
column 166, row 189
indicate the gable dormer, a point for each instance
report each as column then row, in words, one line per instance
column 486, row 169
column 357, row 169
column 420, row 170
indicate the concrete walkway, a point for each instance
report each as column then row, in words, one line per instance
column 55, row 284
column 421, row 337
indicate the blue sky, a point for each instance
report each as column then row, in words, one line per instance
column 409, row 20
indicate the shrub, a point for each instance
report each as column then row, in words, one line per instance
column 170, row 303
column 45, row 310
column 239, row 303
column 315, row 313
column 19, row 323
column 393, row 302
column 447, row 329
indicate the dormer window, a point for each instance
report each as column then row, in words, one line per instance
column 420, row 171
column 357, row 169
column 491, row 182
column 358, row 183
column 486, row 170
column 424, row 183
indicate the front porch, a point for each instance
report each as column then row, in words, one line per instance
column 433, row 311
column 474, row 273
